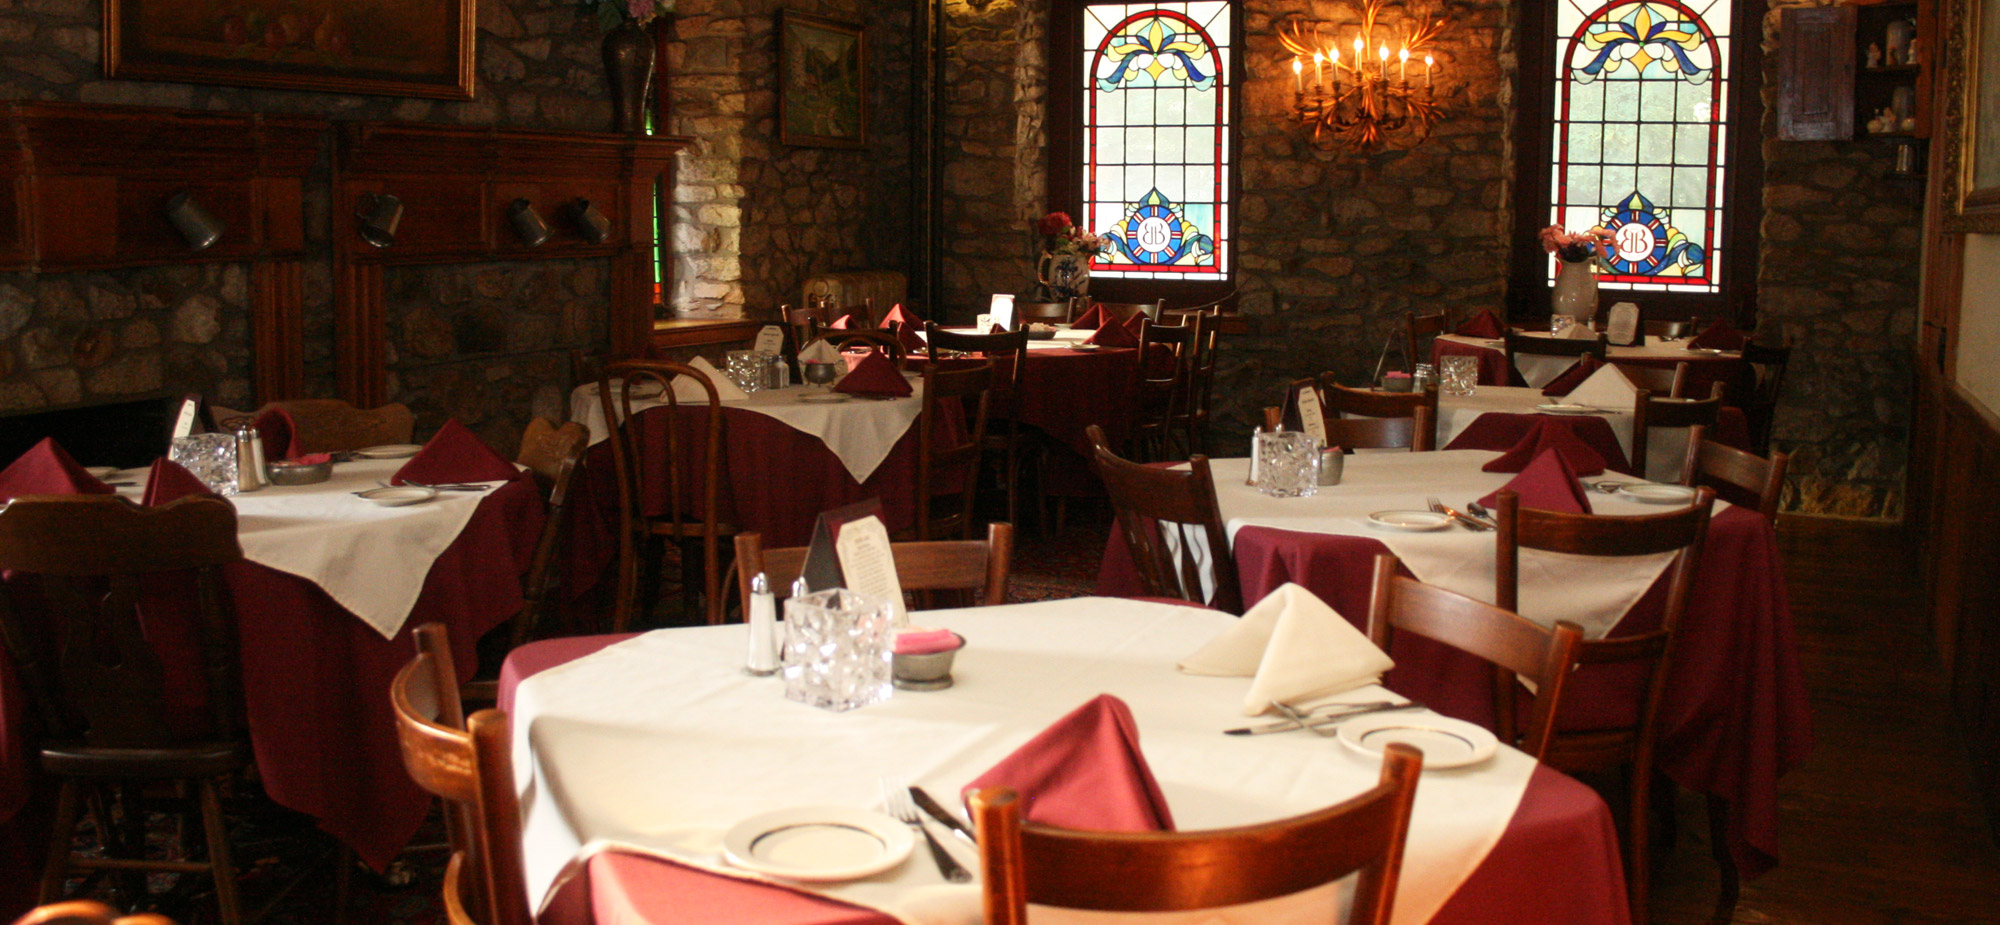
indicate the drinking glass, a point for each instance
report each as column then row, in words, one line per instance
column 1287, row 464
column 1461, row 375
column 838, row 649
column 1560, row 323
column 208, row 457
column 746, row 369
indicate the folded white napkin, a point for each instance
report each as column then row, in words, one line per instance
column 1295, row 648
column 1606, row 388
column 685, row 389
column 819, row 351
column 1580, row 332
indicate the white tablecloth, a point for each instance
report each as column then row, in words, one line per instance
column 1539, row 370
column 860, row 431
column 661, row 743
column 370, row 559
column 1666, row 447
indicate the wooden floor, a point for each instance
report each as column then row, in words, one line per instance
column 1881, row 823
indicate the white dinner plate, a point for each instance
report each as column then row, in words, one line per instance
column 389, row 451
column 1445, row 742
column 1657, row 494
column 823, row 398
column 1564, row 408
column 818, row 843
column 399, row 495
column 1412, row 521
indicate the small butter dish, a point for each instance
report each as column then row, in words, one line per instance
column 925, row 663
column 300, row 473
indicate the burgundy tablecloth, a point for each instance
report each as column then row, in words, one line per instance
column 1561, row 825
column 316, row 688
column 1735, row 715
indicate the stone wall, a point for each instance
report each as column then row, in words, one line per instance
column 994, row 148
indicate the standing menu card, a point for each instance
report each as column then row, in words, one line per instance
column 869, row 564
column 1001, row 313
column 822, row 568
column 1623, row 327
column 770, row 340
column 1312, row 419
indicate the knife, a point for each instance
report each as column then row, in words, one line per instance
column 937, row 811
column 1317, row 721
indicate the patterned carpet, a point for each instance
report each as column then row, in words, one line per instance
column 290, row 869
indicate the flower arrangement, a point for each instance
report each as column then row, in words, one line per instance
column 1061, row 236
column 640, row 12
column 1572, row 246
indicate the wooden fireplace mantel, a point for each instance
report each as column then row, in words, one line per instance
column 455, row 185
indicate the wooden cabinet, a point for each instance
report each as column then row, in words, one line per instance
column 1816, row 73
column 1831, row 86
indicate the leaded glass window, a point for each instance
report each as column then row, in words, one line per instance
column 1640, row 99
column 1156, row 137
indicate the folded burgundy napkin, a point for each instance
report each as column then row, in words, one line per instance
column 1548, row 434
column 1113, row 334
column 1720, row 336
column 46, row 469
column 1572, row 377
column 1085, row 772
column 897, row 315
column 906, row 334
column 926, row 641
column 873, row 374
column 280, row 434
column 455, row 454
column 169, row 482
column 1547, row 484
column 840, row 323
column 1484, row 324
column 1089, row 320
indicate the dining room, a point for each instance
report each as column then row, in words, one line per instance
column 1203, row 460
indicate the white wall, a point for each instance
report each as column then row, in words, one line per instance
column 1978, row 360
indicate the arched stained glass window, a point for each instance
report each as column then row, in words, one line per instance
column 1640, row 94
column 1156, row 137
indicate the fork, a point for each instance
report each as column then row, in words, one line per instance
column 1304, row 719
column 1462, row 520
column 896, row 799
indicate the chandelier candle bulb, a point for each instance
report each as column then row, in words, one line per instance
column 1382, row 52
column 1427, row 72
column 1319, row 77
column 1298, row 74
column 1403, row 66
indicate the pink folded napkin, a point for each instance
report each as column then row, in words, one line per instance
column 169, row 482
column 840, row 323
column 280, row 434
column 46, row 469
column 1085, row 772
column 1547, row 484
column 1484, row 324
column 1089, row 320
column 925, row 642
column 1113, row 334
column 906, row 334
column 1720, row 336
column 1546, row 435
column 897, row 315
column 1572, row 377
column 455, row 454
column 873, row 374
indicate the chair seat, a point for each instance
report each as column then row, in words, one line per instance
column 205, row 759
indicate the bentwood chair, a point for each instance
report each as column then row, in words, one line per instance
column 99, row 690
column 692, row 466
column 1005, row 438
column 87, row 912
column 1738, row 477
column 947, row 467
column 1024, row 862
column 1504, row 639
column 1159, row 387
column 1630, row 745
column 978, row 568
column 1421, row 330
column 1649, row 412
column 469, row 763
column 1154, row 504
column 871, row 337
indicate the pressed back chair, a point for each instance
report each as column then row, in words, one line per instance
column 688, row 478
column 1502, row 638
column 96, row 687
column 977, row 567
column 1024, row 862
column 872, row 337
column 467, row 761
column 1152, row 503
column 947, row 467
column 1160, row 380
column 1768, row 363
column 1681, row 532
column 1005, row 437
column 87, row 912
column 1649, row 412
column 1421, row 330
column 1737, row 475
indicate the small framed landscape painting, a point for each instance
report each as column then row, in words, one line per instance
column 822, row 82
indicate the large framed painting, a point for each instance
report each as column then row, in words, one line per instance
column 1973, row 125
column 822, row 82
column 389, row 47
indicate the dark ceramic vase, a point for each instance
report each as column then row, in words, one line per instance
column 628, row 69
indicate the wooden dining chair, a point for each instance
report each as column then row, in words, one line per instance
column 1159, row 388
column 98, row 688
column 1044, row 312
column 1421, row 330
column 1162, row 513
column 1340, row 401
column 1519, row 344
column 1659, row 380
column 1649, row 412
column 1123, row 311
column 862, row 316
column 1191, row 421
column 468, row 762
column 1023, row 862
column 693, row 470
column 946, row 467
column 1681, row 532
column 1738, row 476
column 1513, row 645
column 977, row 567
column 1416, row 434
column 805, row 323
column 87, row 912
column 872, row 337
column 329, row 425
column 1768, row 363
column 1007, row 440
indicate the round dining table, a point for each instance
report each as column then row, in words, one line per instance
column 1705, row 367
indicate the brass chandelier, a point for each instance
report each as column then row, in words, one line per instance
column 1361, row 98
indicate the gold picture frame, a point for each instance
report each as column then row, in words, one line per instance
column 822, row 82
column 1971, row 156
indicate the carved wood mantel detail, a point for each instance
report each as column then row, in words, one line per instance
column 455, row 185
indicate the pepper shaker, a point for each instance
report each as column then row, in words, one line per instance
column 249, row 468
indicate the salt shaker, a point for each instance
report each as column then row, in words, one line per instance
column 1422, row 378
column 1332, row 461
column 249, row 468
column 763, row 620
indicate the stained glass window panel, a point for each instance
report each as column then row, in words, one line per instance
column 1638, row 94
column 1156, row 178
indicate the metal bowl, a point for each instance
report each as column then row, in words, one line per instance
column 930, row 671
column 298, row 473
column 1397, row 384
